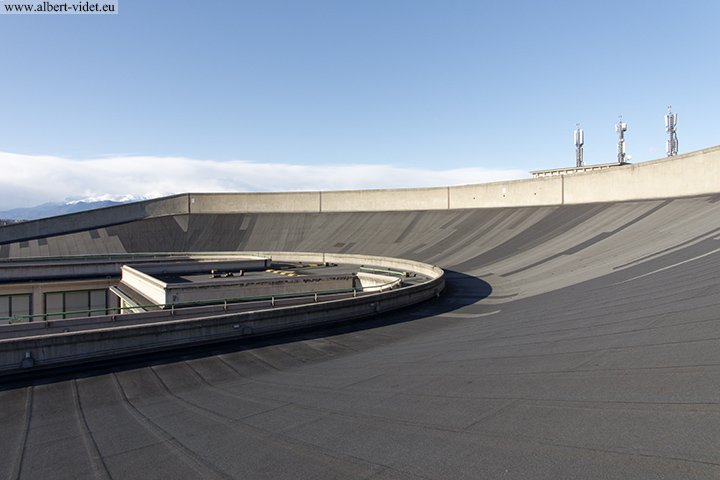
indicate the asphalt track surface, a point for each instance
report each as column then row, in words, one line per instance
column 571, row 342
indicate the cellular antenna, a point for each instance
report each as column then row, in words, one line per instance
column 579, row 140
column 670, row 126
column 621, row 128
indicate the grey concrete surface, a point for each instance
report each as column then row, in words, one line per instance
column 574, row 341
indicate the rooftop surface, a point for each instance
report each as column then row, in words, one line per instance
column 277, row 271
column 576, row 341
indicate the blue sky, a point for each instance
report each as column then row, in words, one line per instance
column 321, row 95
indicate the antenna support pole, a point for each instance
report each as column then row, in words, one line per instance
column 621, row 128
column 670, row 128
column 579, row 140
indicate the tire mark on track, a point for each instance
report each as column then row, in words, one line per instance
column 623, row 405
column 527, row 440
column 167, row 437
column 17, row 466
column 99, row 466
column 312, row 450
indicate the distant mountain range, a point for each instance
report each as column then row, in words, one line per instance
column 54, row 209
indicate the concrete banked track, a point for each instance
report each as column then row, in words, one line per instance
column 573, row 341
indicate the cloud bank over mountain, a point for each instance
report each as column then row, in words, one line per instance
column 30, row 180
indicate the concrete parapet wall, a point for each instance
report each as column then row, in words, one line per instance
column 520, row 193
column 372, row 282
column 76, row 222
column 254, row 202
column 152, row 288
column 203, row 264
column 696, row 173
column 384, row 200
column 161, row 207
column 690, row 174
column 52, row 269
column 200, row 292
column 399, row 264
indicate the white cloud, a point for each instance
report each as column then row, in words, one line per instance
column 28, row 180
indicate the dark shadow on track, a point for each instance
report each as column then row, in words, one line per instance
column 460, row 291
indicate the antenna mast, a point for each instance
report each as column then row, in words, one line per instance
column 579, row 140
column 621, row 128
column 670, row 126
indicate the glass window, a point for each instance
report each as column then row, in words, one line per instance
column 14, row 305
column 20, row 305
column 54, row 303
column 4, row 307
column 98, row 301
column 76, row 302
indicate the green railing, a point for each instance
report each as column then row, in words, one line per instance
column 198, row 303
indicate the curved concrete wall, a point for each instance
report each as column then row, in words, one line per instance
column 77, row 222
column 71, row 346
column 691, row 174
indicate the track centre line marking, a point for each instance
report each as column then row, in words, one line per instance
column 669, row 267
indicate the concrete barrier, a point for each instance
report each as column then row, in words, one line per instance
column 690, row 174
column 102, row 217
column 520, row 193
column 371, row 282
column 254, row 202
column 399, row 264
column 385, row 200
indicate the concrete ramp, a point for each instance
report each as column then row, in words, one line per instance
column 573, row 341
